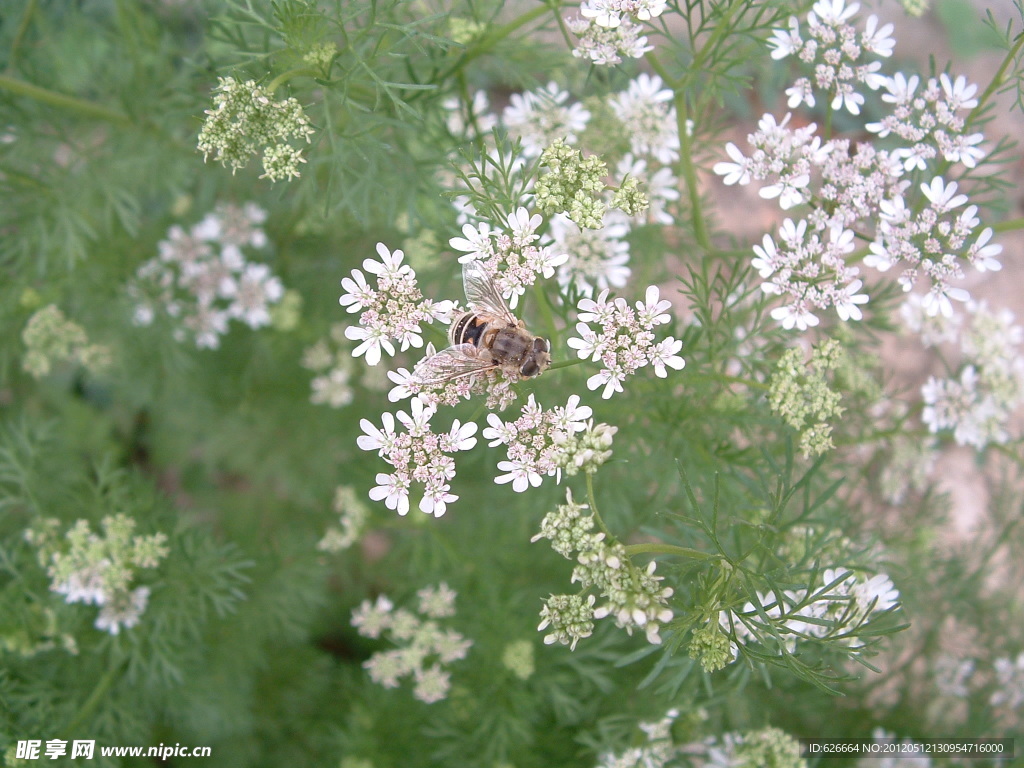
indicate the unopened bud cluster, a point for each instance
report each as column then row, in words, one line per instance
column 799, row 392
column 245, row 121
column 575, row 186
column 632, row 595
column 51, row 340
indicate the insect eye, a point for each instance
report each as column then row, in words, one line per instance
column 540, row 345
column 529, row 368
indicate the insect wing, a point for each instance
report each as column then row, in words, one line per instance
column 452, row 363
column 482, row 293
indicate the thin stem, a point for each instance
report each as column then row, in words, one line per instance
column 686, row 164
column 19, row 36
column 593, row 506
column 565, row 364
column 284, row 77
column 1008, row 226
column 101, row 690
column 63, row 101
column 668, row 549
column 996, row 82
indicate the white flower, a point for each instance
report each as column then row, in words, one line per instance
column 437, row 504
column 783, row 42
column 797, row 315
column 983, row 255
column 610, row 379
column 735, row 172
column 666, row 353
column 834, row 12
column 942, row 195
column 587, row 344
column 936, row 302
column 373, row 340
column 519, row 474
column 390, row 264
column 477, row 242
column 846, row 301
column 394, row 490
column 499, row 433
column 417, row 422
column 381, row 440
column 461, row 436
column 653, row 310
column 358, row 295
column 959, row 94
column 123, row 611
column 523, row 226
column 878, row 41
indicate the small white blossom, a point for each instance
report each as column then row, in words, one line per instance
column 625, row 342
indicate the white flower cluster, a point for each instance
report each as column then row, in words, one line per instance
column 331, row 360
column 848, row 186
column 928, row 122
column 515, row 255
column 632, row 595
column 540, row 117
column 657, row 750
column 424, row 649
column 99, row 569
column 933, row 242
column 539, row 443
column 977, row 405
column 393, row 310
column 418, row 455
column 844, row 602
column 836, row 51
column 612, row 13
column 624, row 342
column 606, row 46
column 643, row 112
column 599, row 256
column 201, row 279
column 353, row 517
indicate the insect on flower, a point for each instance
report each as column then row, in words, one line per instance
column 485, row 338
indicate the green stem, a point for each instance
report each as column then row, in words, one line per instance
column 101, row 690
column 63, row 101
column 284, row 77
column 686, row 164
column 593, row 506
column 19, row 36
column 1008, row 226
column 996, row 82
column 668, row 549
column 565, row 364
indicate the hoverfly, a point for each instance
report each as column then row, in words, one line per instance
column 485, row 338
